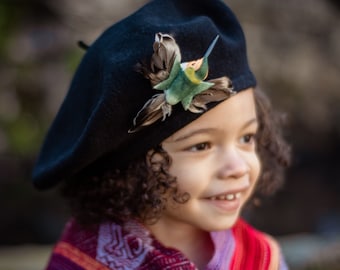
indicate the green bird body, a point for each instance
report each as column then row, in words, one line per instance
column 186, row 80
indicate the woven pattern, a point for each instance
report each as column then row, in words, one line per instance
column 110, row 246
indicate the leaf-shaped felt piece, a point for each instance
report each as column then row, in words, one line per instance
column 203, row 86
column 165, row 84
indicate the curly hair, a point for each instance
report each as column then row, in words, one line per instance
column 141, row 189
column 274, row 152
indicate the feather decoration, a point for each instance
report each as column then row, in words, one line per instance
column 153, row 110
column 221, row 90
column 166, row 51
column 180, row 82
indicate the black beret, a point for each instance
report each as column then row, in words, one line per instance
column 106, row 92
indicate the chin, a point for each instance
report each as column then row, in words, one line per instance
column 225, row 224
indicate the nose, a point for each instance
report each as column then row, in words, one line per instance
column 233, row 164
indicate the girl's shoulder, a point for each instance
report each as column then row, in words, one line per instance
column 248, row 235
column 76, row 248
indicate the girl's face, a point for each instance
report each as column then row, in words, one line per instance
column 215, row 161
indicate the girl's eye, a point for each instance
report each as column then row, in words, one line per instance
column 248, row 138
column 200, row 147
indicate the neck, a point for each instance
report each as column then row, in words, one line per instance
column 194, row 243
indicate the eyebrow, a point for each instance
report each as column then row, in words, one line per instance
column 250, row 122
column 210, row 130
column 195, row 132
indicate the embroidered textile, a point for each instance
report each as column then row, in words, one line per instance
column 110, row 246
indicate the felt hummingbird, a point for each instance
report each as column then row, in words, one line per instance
column 186, row 80
column 180, row 82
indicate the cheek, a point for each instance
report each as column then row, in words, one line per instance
column 189, row 175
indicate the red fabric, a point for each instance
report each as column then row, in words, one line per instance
column 252, row 249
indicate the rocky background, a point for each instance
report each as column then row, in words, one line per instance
column 294, row 50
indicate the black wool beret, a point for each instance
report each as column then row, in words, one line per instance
column 107, row 92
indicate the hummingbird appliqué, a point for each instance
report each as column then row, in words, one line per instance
column 179, row 82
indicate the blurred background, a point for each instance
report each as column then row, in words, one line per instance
column 294, row 50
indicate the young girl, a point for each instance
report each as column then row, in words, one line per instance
column 160, row 143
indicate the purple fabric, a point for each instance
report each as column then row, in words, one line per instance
column 224, row 243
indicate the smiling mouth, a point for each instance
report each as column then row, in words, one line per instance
column 226, row 197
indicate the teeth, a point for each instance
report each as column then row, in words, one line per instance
column 221, row 197
column 228, row 197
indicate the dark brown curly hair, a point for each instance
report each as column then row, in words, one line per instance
column 141, row 189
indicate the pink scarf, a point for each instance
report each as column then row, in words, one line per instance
column 110, row 246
